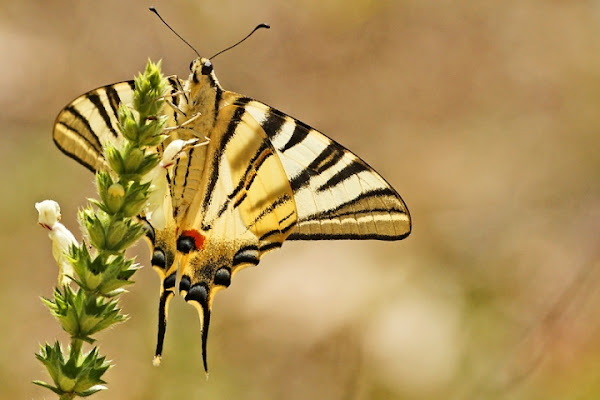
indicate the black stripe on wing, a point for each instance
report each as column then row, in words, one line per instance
column 228, row 135
column 94, row 98
column 325, row 160
column 248, row 177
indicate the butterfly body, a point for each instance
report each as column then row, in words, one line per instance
column 261, row 177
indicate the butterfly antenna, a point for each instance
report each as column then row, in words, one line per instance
column 173, row 30
column 259, row 26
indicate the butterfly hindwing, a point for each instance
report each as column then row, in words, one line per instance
column 234, row 219
column 162, row 243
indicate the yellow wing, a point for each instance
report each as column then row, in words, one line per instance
column 244, row 208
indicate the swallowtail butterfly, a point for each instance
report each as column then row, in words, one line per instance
column 262, row 178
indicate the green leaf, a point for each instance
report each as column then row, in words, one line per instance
column 48, row 386
column 92, row 390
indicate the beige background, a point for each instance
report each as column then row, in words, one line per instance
column 482, row 114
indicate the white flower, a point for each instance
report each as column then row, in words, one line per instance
column 49, row 211
column 62, row 238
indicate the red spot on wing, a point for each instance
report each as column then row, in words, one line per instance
column 197, row 236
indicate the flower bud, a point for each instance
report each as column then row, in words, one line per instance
column 133, row 159
column 115, row 197
column 116, row 231
column 115, row 161
column 127, row 123
column 94, row 228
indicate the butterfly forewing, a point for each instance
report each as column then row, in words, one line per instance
column 338, row 195
column 89, row 121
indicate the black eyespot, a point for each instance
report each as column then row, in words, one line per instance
column 198, row 293
column 207, row 67
column 223, row 277
column 184, row 283
column 169, row 281
column 158, row 259
column 185, row 244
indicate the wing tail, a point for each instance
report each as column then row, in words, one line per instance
column 163, row 307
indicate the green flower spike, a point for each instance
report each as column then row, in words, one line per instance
column 110, row 226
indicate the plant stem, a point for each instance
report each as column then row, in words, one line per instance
column 75, row 347
column 67, row 396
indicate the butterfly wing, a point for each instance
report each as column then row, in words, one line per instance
column 89, row 121
column 92, row 120
column 244, row 208
column 337, row 195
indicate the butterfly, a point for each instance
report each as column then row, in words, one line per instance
column 261, row 178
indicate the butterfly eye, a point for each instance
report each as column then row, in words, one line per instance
column 207, row 67
column 191, row 64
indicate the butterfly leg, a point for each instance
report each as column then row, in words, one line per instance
column 178, row 89
column 194, row 132
column 178, row 95
column 176, row 108
column 182, row 125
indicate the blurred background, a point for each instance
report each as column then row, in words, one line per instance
column 483, row 115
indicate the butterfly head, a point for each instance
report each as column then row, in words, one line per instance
column 202, row 72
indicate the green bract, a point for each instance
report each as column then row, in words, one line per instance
column 82, row 313
column 79, row 375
